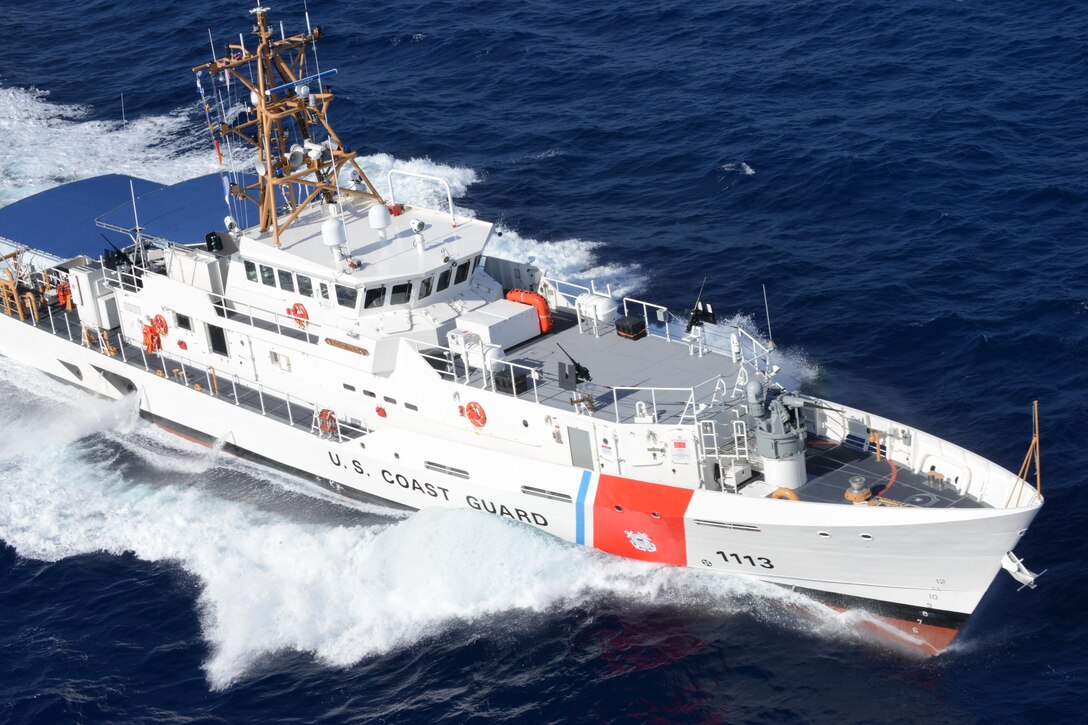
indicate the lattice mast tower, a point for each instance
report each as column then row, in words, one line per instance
column 281, row 124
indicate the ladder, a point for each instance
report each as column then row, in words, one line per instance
column 708, row 437
column 740, row 440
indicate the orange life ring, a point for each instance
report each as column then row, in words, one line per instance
column 476, row 415
column 543, row 312
column 298, row 311
column 160, row 324
column 152, row 341
column 785, row 493
column 326, row 420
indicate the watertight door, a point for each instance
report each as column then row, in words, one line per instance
column 581, row 448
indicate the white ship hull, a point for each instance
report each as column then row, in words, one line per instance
column 922, row 570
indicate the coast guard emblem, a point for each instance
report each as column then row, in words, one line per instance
column 641, row 541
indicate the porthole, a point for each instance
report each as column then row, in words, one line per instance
column 618, row 508
column 655, row 514
column 397, row 456
column 525, row 423
column 1021, row 532
column 823, row 534
column 866, row 537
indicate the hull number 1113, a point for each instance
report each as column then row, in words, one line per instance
column 760, row 561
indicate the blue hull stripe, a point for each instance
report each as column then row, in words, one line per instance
column 580, row 509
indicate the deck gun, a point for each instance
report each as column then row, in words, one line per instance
column 581, row 372
column 701, row 312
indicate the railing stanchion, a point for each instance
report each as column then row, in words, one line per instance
column 234, row 388
column 290, row 416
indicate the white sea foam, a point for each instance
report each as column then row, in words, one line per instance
column 573, row 260
column 796, row 368
column 46, row 144
column 270, row 583
column 744, row 168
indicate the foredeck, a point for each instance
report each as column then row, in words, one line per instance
column 832, row 464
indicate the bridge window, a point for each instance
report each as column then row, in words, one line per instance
column 462, row 272
column 251, row 271
column 183, row 321
column 425, row 287
column 401, row 293
column 375, row 297
column 268, row 275
column 305, row 286
column 476, row 262
column 287, row 282
column 443, row 281
column 346, row 296
column 324, row 290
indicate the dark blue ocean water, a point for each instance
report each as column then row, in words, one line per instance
column 908, row 180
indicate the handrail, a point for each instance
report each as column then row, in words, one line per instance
column 486, row 377
column 646, row 316
column 653, row 399
column 429, row 177
column 570, row 299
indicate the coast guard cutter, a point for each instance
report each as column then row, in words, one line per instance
column 290, row 310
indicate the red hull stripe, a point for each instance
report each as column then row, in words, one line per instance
column 641, row 520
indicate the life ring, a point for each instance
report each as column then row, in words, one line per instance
column 543, row 312
column 785, row 493
column 152, row 341
column 476, row 415
column 326, row 421
column 160, row 324
column 298, row 311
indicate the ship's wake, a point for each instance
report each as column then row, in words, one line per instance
column 173, row 147
column 279, row 571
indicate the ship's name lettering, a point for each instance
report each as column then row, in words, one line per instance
column 411, row 484
column 529, row 517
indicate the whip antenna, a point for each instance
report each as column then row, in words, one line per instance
column 767, row 311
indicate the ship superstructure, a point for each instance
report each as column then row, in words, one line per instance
column 377, row 348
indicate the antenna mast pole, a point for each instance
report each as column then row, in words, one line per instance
column 767, row 311
column 283, row 101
